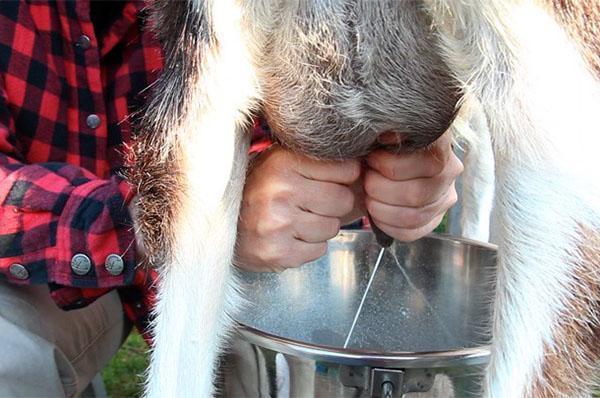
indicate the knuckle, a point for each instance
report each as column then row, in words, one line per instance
column 282, row 196
column 353, row 170
column 281, row 225
column 263, row 227
column 272, row 224
column 393, row 172
column 442, row 150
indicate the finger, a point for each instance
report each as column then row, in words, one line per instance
column 410, row 217
column 408, row 234
column 303, row 253
column 278, row 254
column 404, row 166
column 358, row 209
column 345, row 172
column 325, row 198
column 312, row 228
column 418, row 192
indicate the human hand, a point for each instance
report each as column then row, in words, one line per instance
column 407, row 194
column 291, row 206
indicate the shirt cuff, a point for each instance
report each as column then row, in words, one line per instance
column 95, row 240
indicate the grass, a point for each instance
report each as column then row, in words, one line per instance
column 124, row 374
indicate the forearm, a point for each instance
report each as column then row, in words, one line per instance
column 50, row 212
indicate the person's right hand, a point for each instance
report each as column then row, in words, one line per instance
column 292, row 205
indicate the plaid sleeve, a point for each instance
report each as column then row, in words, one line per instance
column 50, row 212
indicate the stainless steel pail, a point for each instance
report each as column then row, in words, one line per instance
column 422, row 331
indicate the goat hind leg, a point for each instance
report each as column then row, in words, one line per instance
column 541, row 100
column 191, row 162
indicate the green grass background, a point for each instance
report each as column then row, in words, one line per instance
column 123, row 376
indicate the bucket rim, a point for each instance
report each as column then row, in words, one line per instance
column 433, row 235
column 356, row 357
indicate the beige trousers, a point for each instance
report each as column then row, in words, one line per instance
column 47, row 352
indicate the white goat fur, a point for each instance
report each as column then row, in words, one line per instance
column 477, row 189
column 541, row 101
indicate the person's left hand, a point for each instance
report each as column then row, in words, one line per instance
column 407, row 194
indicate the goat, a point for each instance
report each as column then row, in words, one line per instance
column 329, row 76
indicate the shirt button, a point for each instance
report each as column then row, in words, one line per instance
column 81, row 264
column 93, row 121
column 19, row 271
column 114, row 264
column 83, row 42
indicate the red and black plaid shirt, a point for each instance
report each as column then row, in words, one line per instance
column 67, row 88
column 70, row 77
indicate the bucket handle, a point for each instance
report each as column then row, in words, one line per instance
column 387, row 382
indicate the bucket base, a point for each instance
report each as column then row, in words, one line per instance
column 252, row 371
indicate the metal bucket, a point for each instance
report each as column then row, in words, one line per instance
column 423, row 329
